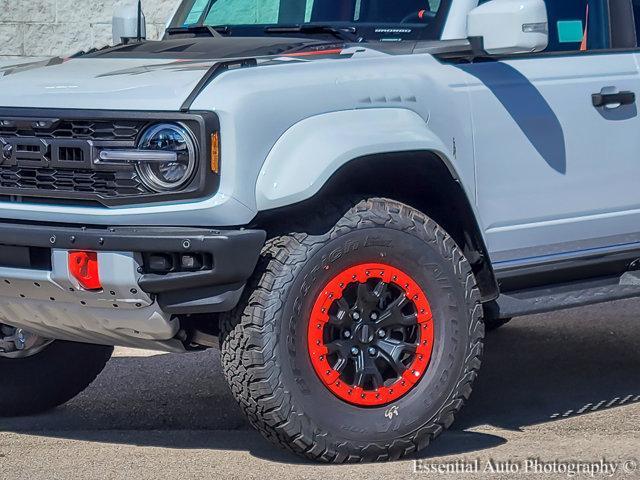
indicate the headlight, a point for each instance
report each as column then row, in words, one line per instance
column 161, row 175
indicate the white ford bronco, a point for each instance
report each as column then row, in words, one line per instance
column 339, row 194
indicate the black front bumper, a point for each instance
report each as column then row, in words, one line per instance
column 217, row 288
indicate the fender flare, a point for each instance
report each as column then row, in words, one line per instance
column 307, row 155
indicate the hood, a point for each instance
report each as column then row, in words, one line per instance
column 142, row 76
column 9, row 63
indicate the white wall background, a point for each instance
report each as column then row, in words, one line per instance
column 61, row 27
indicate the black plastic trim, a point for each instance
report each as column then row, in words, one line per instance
column 611, row 261
column 212, row 73
column 209, row 299
column 563, row 296
column 202, row 124
column 235, row 254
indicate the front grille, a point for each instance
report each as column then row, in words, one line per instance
column 71, row 154
column 108, row 184
column 108, row 130
column 57, row 156
column 53, row 156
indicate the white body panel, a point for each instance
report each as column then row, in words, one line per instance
column 287, row 125
column 103, row 84
column 564, row 170
column 306, row 156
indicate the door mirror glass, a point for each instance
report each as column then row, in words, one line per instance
column 510, row 26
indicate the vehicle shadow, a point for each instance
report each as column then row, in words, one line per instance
column 537, row 369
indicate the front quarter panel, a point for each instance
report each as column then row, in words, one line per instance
column 286, row 126
column 311, row 151
column 285, row 129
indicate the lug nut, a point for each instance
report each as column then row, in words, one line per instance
column 347, row 334
column 355, row 351
column 374, row 316
column 382, row 333
column 356, row 316
column 372, row 351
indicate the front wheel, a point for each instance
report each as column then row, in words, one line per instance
column 358, row 345
column 40, row 374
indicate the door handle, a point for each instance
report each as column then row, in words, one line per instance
column 610, row 99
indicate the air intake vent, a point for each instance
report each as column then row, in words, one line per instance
column 70, row 154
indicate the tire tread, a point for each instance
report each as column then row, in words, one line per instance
column 248, row 347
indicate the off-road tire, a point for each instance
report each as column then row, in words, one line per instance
column 267, row 364
column 49, row 378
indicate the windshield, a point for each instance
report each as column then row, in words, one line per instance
column 390, row 20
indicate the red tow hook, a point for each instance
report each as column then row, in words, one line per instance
column 84, row 268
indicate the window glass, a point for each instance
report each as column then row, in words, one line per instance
column 387, row 20
column 567, row 24
column 259, row 12
column 243, row 12
column 636, row 14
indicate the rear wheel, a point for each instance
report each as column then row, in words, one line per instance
column 358, row 345
column 38, row 374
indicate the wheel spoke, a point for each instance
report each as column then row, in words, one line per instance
column 341, row 347
column 409, row 320
column 343, row 305
column 393, row 318
column 392, row 351
column 381, row 291
column 366, row 368
column 342, row 315
column 398, row 304
column 338, row 320
column 340, row 364
column 367, row 301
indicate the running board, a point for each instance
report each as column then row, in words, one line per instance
column 563, row 296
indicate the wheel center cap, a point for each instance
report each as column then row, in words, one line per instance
column 365, row 333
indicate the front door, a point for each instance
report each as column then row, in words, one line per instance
column 557, row 138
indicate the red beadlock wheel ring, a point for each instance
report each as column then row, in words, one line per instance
column 361, row 334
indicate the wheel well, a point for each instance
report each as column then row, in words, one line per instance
column 419, row 179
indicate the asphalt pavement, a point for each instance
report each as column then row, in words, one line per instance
column 559, row 393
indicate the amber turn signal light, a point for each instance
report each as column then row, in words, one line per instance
column 215, row 153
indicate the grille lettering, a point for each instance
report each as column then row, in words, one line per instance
column 46, row 153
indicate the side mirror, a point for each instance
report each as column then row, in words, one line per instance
column 510, row 26
column 129, row 23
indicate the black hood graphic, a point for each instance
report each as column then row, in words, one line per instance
column 200, row 48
